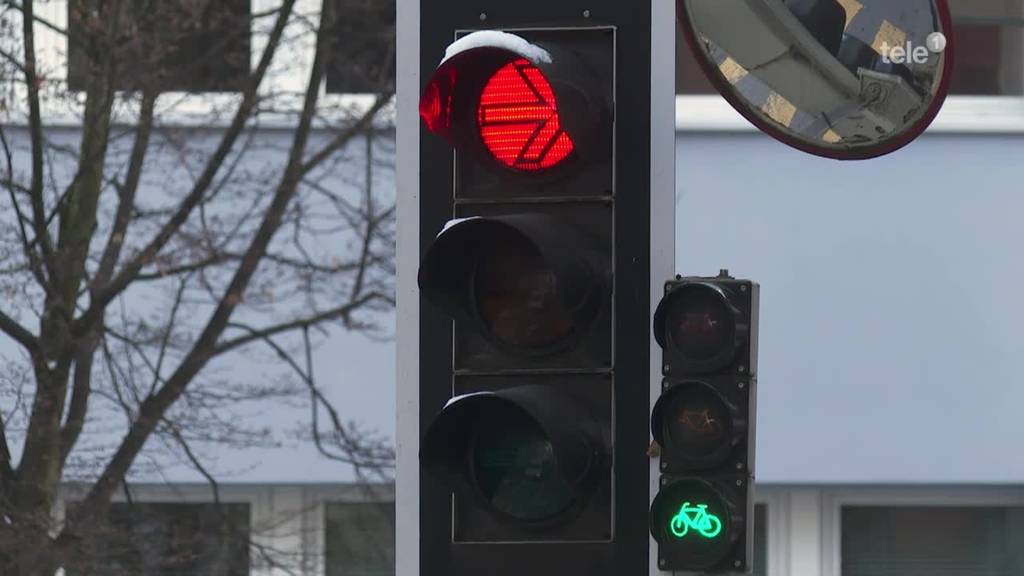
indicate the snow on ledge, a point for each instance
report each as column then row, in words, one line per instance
column 501, row 40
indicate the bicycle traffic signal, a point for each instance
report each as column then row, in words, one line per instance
column 702, row 517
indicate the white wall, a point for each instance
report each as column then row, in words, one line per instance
column 890, row 348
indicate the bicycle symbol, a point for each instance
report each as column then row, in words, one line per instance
column 701, row 422
column 696, row 517
column 696, row 323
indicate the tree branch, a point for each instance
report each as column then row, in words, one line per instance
column 359, row 457
column 49, row 25
column 36, row 132
column 155, row 406
column 13, row 61
column 40, row 458
column 344, row 136
column 80, row 391
column 127, row 193
column 121, row 281
column 264, row 551
column 19, row 333
column 6, row 469
column 224, row 257
column 263, row 333
column 27, row 246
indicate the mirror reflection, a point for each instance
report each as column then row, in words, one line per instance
column 839, row 75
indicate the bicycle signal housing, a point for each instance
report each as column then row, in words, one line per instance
column 702, row 516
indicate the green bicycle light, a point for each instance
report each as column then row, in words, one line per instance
column 692, row 523
column 695, row 520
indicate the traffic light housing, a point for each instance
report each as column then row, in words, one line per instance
column 702, row 516
column 540, row 171
column 524, row 271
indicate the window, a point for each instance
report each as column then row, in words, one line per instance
column 990, row 47
column 169, row 540
column 360, row 538
column 363, row 55
column 167, row 45
column 932, row 541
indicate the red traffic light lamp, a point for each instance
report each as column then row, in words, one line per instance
column 530, row 106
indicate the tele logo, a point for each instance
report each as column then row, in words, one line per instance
column 910, row 54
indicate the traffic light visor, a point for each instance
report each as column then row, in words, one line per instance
column 693, row 422
column 469, row 63
column 697, row 323
column 526, row 280
column 515, row 450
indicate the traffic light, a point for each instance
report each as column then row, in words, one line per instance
column 534, row 283
column 702, row 516
column 524, row 270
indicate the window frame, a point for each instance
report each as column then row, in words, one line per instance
column 776, row 503
column 834, row 500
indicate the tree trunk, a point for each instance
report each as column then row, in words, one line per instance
column 29, row 555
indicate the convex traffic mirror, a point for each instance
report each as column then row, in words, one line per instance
column 845, row 79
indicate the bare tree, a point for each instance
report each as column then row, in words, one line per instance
column 142, row 260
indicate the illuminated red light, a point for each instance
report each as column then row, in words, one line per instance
column 436, row 103
column 518, row 119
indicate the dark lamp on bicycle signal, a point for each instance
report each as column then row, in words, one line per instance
column 696, row 423
column 699, row 327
